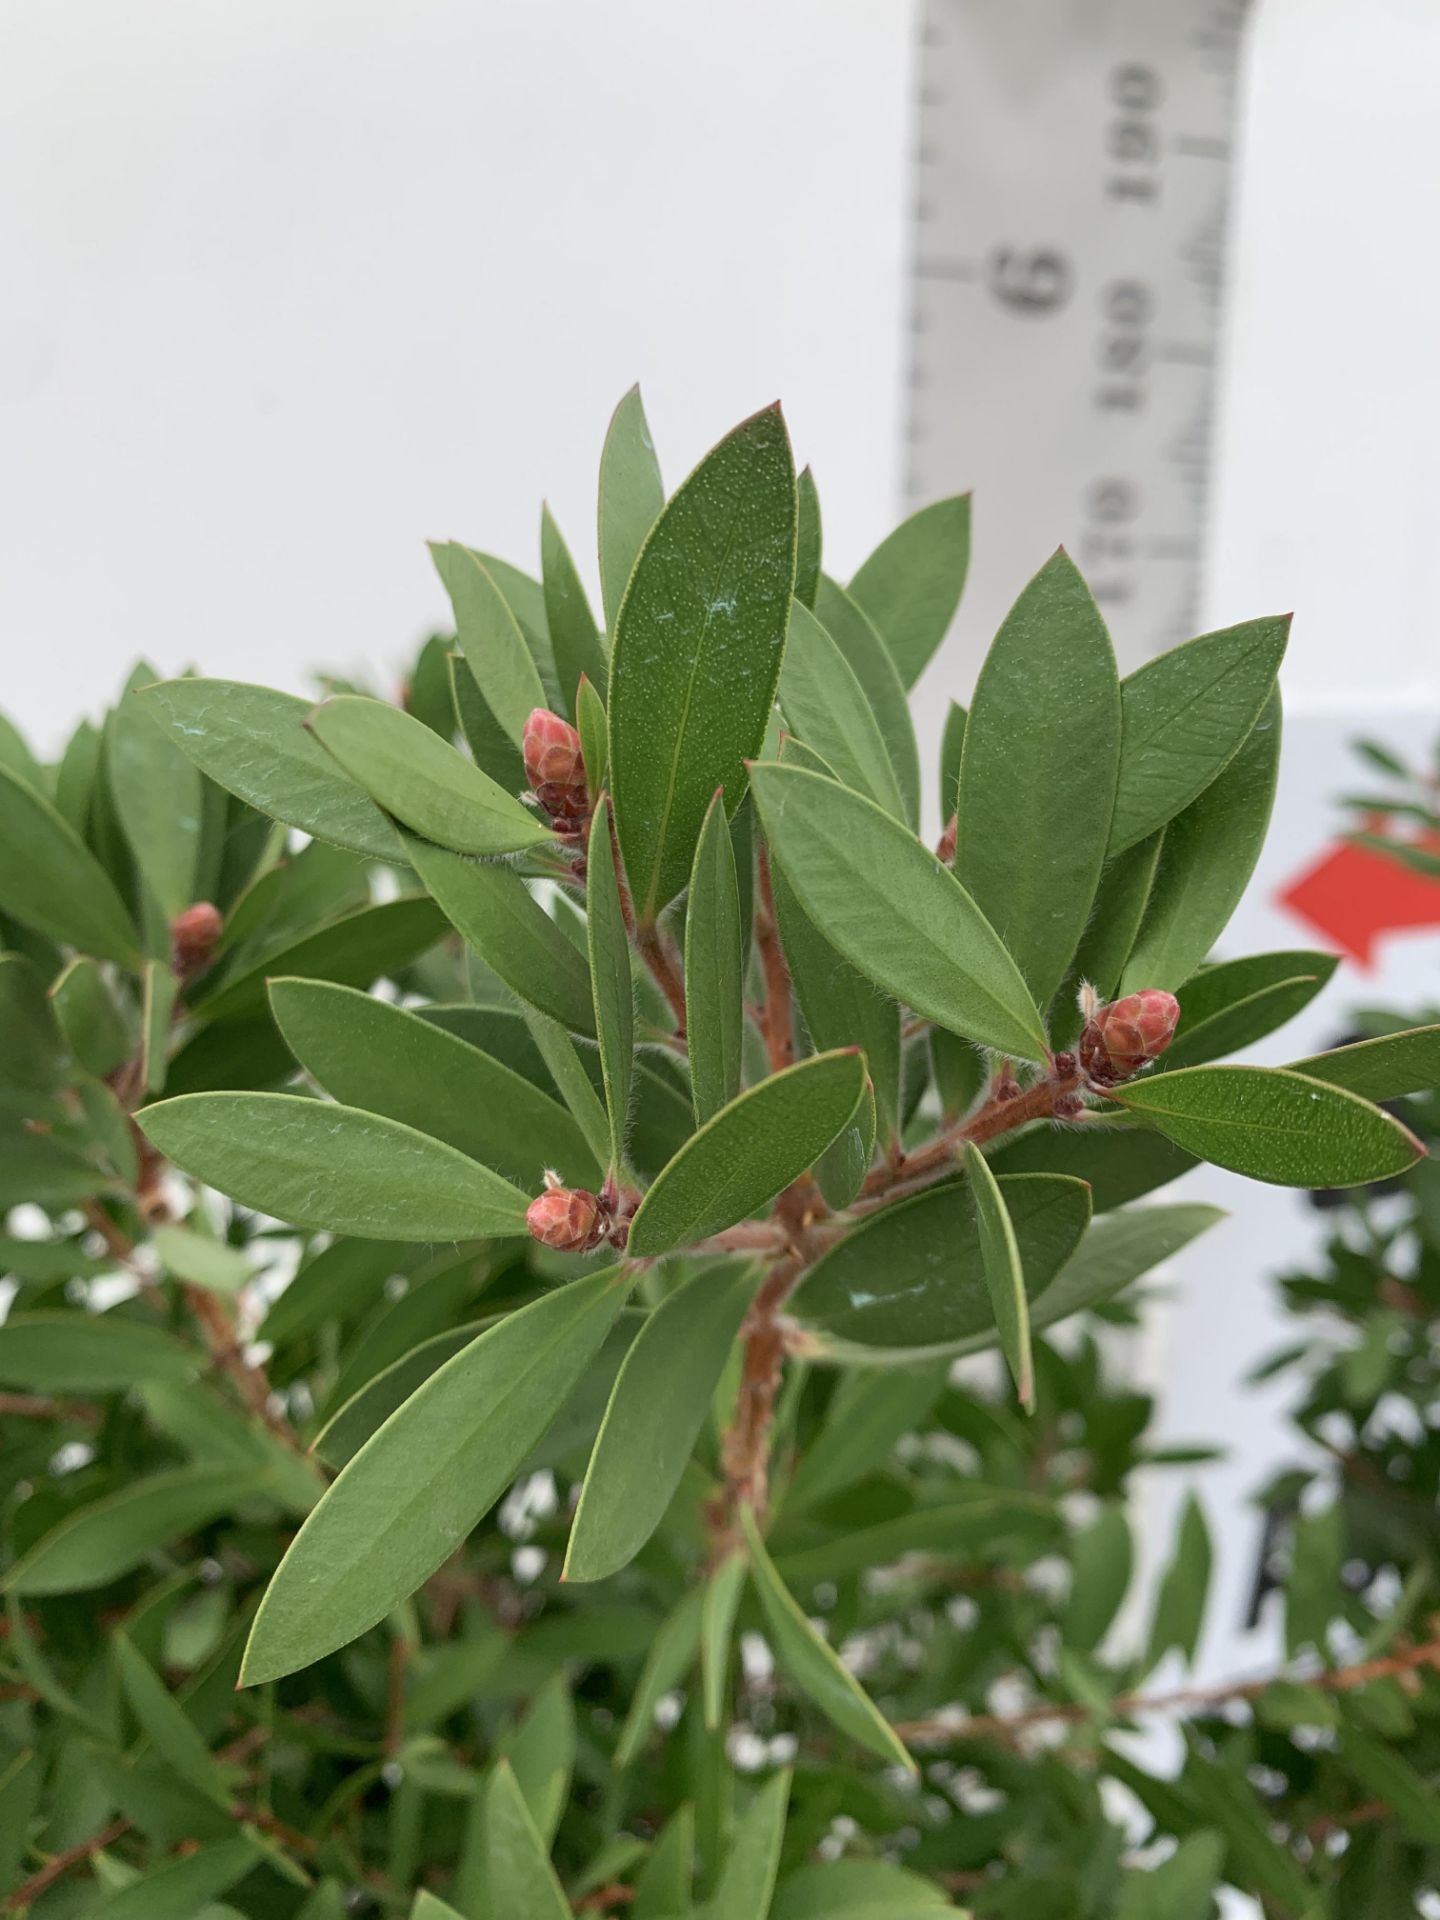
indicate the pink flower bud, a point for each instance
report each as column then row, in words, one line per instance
column 1127, row 1035
column 555, row 768
column 567, row 1218
column 194, row 936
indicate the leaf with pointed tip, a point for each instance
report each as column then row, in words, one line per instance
column 985, row 1518
column 723, row 1589
column 696, row 659
column 157, row 793
column 714, row 968
column 490, row 638
column 632, row 497
column 894, row 911
column 421, row 780
column 352, row 950
column 166, row 1724
column 912, row 583
column 1206, row 859
column 1101, row 1558
column 662, row 1889
column 574, row 636
column 672, row 1650
column 858, row 1889
column 314, row 1164
column 952, row 751
column 1121, row 900
column 611, row 979
column 752, row 1148
column 809, row 538
column 910, row 1281
column 1273, row 1124
column 518, row 1870
column 1186, row 714
column 1180, row 1603
column 418, row 1486
column 746, row 1882
column 591, row 724
column 562, row 1062
column 1383, row 1069
column 853, row 632
column 813, row 1664
column 1117, row 1249
column 50, row 880
column 1230, row 1006
column 1037, row 776
column 79, row 1353
column 657, row 1408
column 252, row 741
column 181, row 1888
column 1004, row 1276
column 825, row 706
column 497, row 915
column 366, row 1053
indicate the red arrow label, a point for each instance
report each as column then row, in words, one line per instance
column 1353, row 896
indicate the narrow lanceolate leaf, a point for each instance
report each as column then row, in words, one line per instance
column 574, row 637
column 747, row 1880
column 1383, row 1069
column 369, row 1054
column 672, row 1651
column 911, row 584
column 1274, row 1124
column 825, row 706
column 1388, row 1777
column 313, row 1164
column 717, row 1624
column 165, row 1724
column 1121, row 900
column 1186, row 714
column 657, row 1408
column 96, row 1031
column 565, row 1067
column 511, row 932
column 894, row 911
column 809, row 538
column 1119, row 1162
column 96, row 1544
column 1180, row 1603
column 354, row 950
column 50, row 880
column 714, row 968
column 911, row 1280
column 1206, row 859
column 1037, row 776
column 612, row 983
column 490, row 638
column 35, row 1058
column 631, row 498
column 1227, row 1007
column 696, row 659
column 1004, row 1275
column 252, row 741
column 88, row 1353
column 662, row 1886
column 157, row 795
column 952, row 750
column 1115, row 1251
column 177, row 1889
column 422, row 1482
column 591, row 725
column 751, row 1149
column 853, row 631
column 519, row 1876
column 812, row 1664
column 419, row 778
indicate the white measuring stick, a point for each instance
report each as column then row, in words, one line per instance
column 1073, row 160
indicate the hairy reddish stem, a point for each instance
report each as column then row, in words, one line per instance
column 777, row 1018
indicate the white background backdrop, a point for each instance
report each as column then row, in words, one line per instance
column 286, row 290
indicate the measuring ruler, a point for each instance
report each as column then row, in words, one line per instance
column 1072, row 173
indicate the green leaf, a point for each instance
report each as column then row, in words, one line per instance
column 894, row 911
column 34, row 1056
column 858, row 1890
column 662, row 1890
column 421, row 1483
column 809, row 538
column 542, row 1754
column 747, row 1877
column 1037, row 777
column 593, row 728
column 813, row 1664
column 19, row 1796
column 840, row 1171
column 911, row 584
column 366, row 1410
column 714, row 968
column 519, row 1874
column 565, row 1067
column 1273, row 1124
column 867, row 1415
column 1119, row 1163
column 696, row 659
column 38, row 1170
column 497, row 915
column 1383, row 1069
column 158, row 798
column 825, row 706
column 1180, row 1604
column 314, row 1164
column 94, row 1028
column 50, row 880
column 672, row 1652
column 1385, row 1775
column 952, row 751
column 579, row 649
column 611, row 980
column 165, row 1723
column 366, row 1053
column 1255, row 1858
column 1186, row 714
column 982, row 1522
column 181, row 1889
column 752, row 1148
column 1100, row 1563
column 428, row 1907
column 656, row 1411
column 853, row 632
column 159, row 992
column 1227, row 1007
column 723, row 1589
column 1004, row 1276
column 354, row 950
column 1206, row 859
column 490, row 637
column 632, row 496
column 88, row 1353
column 420, row 778
column 252, row 741
column 97, row 1543
column 1313, row 1585
column 201, row 1259
column 911, row 1280
column 1120, row 903
column 1115, row 1251
column 1180, row 1888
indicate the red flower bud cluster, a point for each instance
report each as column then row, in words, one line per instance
column 569, row 1219
column 194, row 936
column 1127, row 1035
column 555, row 768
